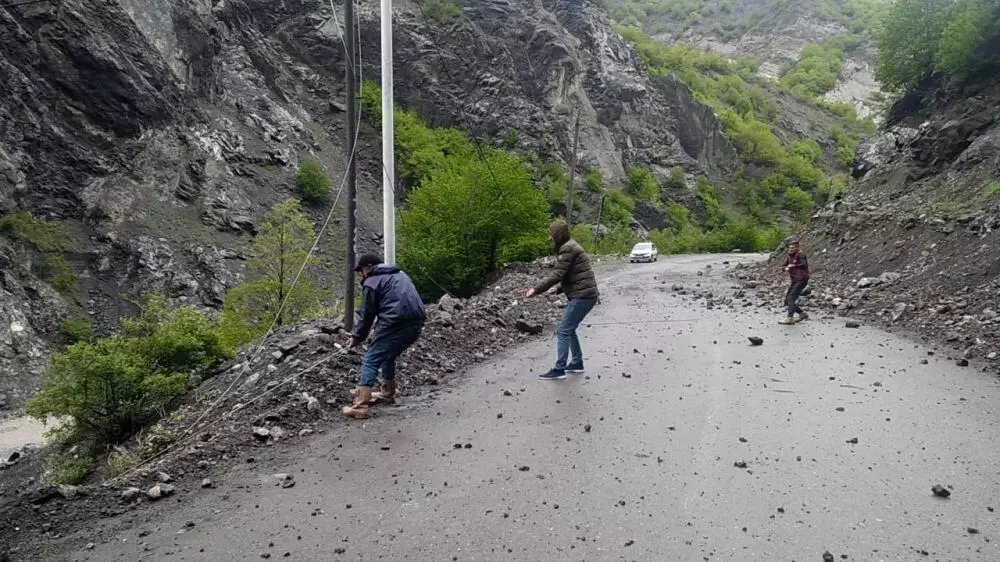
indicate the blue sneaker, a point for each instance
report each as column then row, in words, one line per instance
column 575, row 368
column 553, row 375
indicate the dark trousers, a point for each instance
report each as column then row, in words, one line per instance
column 385, row 349
column 793, row 294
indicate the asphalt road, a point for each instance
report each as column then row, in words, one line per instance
column 636, row 459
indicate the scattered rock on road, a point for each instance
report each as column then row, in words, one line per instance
column 526, row 327
column 940, row 491
column 160, row 491
column 754, row 340
column 852, row 324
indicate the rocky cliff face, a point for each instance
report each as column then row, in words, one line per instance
column 164, row 130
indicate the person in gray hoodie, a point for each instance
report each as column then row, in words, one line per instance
column 388, row 296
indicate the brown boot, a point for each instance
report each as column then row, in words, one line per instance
column 354, row 395
column 359, row 410
column 387, row 395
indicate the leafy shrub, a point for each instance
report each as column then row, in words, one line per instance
column 76, row 329
column 112, row 387
column 816, row 71
column 678, row 179
column 313, row 182
column 70, row 470
column 441, row 11
column 594, row 180
column 40, row 247
column 642, row 185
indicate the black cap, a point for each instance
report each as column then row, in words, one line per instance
column 366, row 260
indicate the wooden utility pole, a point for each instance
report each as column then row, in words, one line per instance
column 572, row 172
column 352, row 171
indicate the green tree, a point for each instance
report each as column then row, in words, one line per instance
column 908, row 40
column 799, row 203
column 313, row 182
column 467, row 218
column 959, row 51
column 275, row 297
column 642, row 185
column 618, row 209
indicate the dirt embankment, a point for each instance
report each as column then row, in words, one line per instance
column 914, row 242
column 266, row 400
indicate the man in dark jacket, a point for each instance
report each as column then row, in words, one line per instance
column 389, row 296
column 798, row 270
column 573, row 276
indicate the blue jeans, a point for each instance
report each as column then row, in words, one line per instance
column 383, row 352
column 566, row 340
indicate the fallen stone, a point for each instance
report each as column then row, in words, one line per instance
column 963, row 362
column 163, row 477
column 853, row 440
column 587, row 428
column 940, row 491
column 754, row 340
column 528, row 327
column 206, row 483
column 740, row 464
column 285, row 480
column 160, row 491
column 852, row 324
column 972, row 531
column 827, row 556
column 261, row 434
column 898, row 311
column 131, row 494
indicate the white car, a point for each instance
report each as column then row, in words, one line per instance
column 643, row 252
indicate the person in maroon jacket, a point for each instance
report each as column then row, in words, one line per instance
column 798, row 269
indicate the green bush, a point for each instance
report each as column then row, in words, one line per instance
column 594, row 180
column 442, row 12
column 642, row 185
column 69, row 470
column 40, row 248
column 678, row 178
column 76, row 329
column 313, row 182
column 816, row 72
column 111, row 387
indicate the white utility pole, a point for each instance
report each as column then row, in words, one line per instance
column 388, row 138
